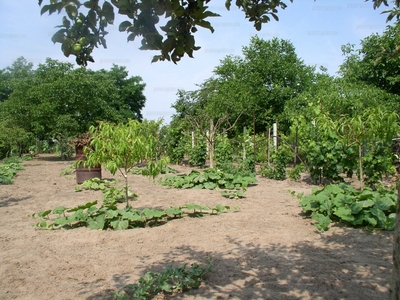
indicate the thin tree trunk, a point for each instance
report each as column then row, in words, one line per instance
column 361, row 166
column 395, row 283
column 254, row 140
column 126, row 188
column 211, row 143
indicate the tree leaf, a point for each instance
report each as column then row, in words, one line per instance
column 108, row 12
column 124, row 25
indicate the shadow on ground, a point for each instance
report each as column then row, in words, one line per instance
column 341, row 267
column 10, row 201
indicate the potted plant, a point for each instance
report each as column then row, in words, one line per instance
column 83, row 170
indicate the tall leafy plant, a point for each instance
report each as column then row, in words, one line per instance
column 375, row 127
column 120, row 147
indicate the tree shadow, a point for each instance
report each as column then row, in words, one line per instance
column 353, row 265
column 54, row 158
column 10, row 201
column 120, row 280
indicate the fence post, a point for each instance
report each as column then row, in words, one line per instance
column 275, row 135
column 269, row 144
column 244, row 143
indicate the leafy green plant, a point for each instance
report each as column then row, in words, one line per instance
column 9, row 168
column 122, row 147
column 109, row 216
column 280, row 160
column 111, row 195
column 71, row 169
column 358, row 208
column 210, row 179
column 377, row 163
column 233, row 194
column 294, row 173
column 8, row 172
column 95, row 184
column 171, row 280
column 198, row 154
column 223, row 151
column 142, row 171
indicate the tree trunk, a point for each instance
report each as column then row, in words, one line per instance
column 395, row 284
column 211, row 139
column 361, row 165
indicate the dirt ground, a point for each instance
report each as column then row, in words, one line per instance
column 267, row 250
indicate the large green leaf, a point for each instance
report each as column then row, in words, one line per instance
column 87, row 205
column 119, row 224
column 379, row 214
column 344, row 213
column 367, row 203
column 61, row 221
column 390, row 222
column 110, row 214
column 322, row 221
column 326, row 207
column 332, row 189
column 59, row 210
column 342, row 199
column 385, row 203
column 210, row 185
column 97, row 222
column 356, row 207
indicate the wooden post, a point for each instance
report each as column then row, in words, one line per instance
column 211, row 141
column 269, row 144
column 296, row 144
column 244, row 143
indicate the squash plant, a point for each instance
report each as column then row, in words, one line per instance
column 121, row 147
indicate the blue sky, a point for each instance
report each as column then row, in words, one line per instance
column 317, row 29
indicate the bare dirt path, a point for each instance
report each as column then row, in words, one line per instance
column 267, row 250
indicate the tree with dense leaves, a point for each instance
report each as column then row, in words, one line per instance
column 267, row 76
column 14, row 76
column 130, row 90
column 340, row 97
column 61, row 101
column 361, row 64
column 84, row 26
column 207, row 112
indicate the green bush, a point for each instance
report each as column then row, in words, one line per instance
column 171, row 280
column 358, row 208
column 198, row 154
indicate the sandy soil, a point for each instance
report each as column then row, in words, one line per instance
column 267, row 250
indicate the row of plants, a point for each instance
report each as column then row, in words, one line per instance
column 373, row 209
column 120, row 147
column 170, row 281
column 109, row 216
column 9, row 168
column 335, row 148
column 233, row 185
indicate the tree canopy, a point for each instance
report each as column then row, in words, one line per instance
column 84, row 26
column 57, row 99
column 84, row 23
column 250, row 90
column 368, row 65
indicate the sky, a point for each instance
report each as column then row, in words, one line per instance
column 317, row 29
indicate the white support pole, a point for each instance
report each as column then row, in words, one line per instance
column 192, row 139
column 208, row 143
column 275, row 135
